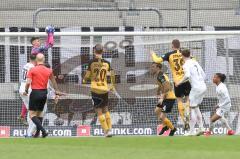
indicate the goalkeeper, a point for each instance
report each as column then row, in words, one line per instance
column 166, row 98
column 36, row 44
column 176, row 62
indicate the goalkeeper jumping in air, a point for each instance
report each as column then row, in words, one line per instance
column 166, row 98
column 97, row 72
column 176, row 62
column 36, row 44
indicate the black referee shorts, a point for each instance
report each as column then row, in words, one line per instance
column 38, row 98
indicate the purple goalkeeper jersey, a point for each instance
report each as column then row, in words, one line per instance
column 48, row 43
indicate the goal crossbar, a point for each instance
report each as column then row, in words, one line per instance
column 137, row 33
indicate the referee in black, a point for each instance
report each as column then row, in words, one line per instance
column 38, row 78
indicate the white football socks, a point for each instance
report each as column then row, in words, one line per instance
column 225, row 122
column 199, row 117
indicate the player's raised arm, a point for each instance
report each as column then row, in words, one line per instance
column 155, row 58
column 50, row 38
column 35, row 41
column 50, row 31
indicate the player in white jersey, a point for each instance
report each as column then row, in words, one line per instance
column 224, row 103
column 25, row 99
column 196, row 76
column 25, row 70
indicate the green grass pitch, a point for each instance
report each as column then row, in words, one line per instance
column 214, row 147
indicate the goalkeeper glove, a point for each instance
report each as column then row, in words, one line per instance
column 49, row 29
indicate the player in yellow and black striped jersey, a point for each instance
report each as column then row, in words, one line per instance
column 97, row 72
column 166, row 98
column 182, row 92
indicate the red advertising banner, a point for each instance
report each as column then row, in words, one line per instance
column 4, row 131
column 83, row 130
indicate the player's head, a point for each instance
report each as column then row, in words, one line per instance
column 186, row 53
column 176, row 44
column 218, row 78
column 32, row 59
column 35, row 41
column 98, row 49
column 155, row 68
column 40, row 59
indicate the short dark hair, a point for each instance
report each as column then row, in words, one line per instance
column 186, row 53
column 176, row 43
column 222, row 77
column 32, row 57
column 98, row 48
column 33, row 38
column 159, row 65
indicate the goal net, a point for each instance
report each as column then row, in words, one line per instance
column 132, row 106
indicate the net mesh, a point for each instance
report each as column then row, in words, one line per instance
column 132, row 107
